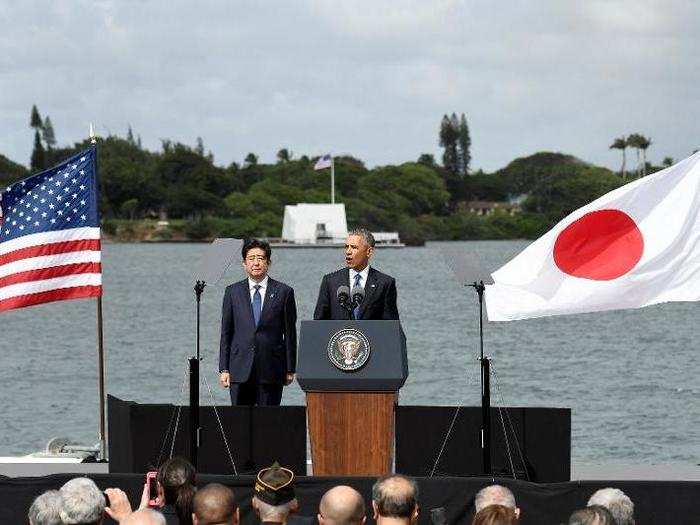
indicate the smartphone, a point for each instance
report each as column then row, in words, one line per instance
column 152, row 483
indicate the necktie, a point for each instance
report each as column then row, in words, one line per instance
column 356, row 310
column 257, row 304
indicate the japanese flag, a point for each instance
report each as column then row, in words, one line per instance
column 635, row 246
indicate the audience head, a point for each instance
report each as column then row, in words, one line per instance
column 495, row 495
column 144, row 517
column 46, row 509
column 341, row 505
column 617, row 502
column 592, row 515
column 82, row 502
column 176, row 486
column 495, row 515
column 273, row 496
column 215, row 504
column 395, row 497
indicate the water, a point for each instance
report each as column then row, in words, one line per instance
column 630, row 377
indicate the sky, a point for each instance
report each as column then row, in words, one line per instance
column 366, row 78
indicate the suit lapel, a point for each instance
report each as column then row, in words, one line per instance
column 244, row 300
column 370, row 287
column 271, row 295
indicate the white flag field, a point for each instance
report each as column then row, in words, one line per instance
column 633, row 247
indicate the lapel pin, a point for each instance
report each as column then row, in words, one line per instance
column 272, row 295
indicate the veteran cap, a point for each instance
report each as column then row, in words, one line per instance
column 274, row 485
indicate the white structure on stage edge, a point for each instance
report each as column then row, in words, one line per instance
column 314, row 223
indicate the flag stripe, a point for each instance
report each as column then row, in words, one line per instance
column 50, row 249
column 50, row 273
column 77, row 292
column 47, row 261
column 15, row 290
column 35, row 239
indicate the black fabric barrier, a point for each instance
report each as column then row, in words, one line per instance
column 538, row 445
column 660, row 503
column 140, row 437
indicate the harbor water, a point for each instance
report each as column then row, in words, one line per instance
column 631, row 378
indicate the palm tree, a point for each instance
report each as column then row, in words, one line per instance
column 644, row 143
column 635, row 141
column 621, row 144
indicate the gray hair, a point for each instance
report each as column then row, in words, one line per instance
column 365, row 234
column 396, row 496
column 494, row 495
column 83, row 502
column 617, row 502
column 46, row 509
column 144, row 517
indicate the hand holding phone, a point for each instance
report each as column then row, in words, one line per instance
column 152, row 484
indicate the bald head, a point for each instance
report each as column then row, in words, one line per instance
column 144, row 517
column 395, row 496
column 214, row 503
column 342, row 505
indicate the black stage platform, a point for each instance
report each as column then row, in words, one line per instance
column 660, row 503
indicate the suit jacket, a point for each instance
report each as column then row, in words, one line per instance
column 379, row 302
column 271, row 347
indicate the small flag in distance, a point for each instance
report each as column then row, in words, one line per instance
column 324, row 162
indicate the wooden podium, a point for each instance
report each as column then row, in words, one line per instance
column 351, row 412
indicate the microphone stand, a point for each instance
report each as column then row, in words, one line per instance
column 195, row 429
column 485, row 383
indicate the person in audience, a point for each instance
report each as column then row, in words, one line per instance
column 82, row 502
column 46, row 509
column 144, row 517
column 617, row 502
column 495, row 515
column 176, row 490
column 395, row 500
column 274, row 500
column 215, row 504
column 496, row 495
column 341, row 505
column 592, row 515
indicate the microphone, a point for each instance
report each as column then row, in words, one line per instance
column 358, row 294
column 343, row 295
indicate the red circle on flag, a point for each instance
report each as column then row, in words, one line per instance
column 602, row 245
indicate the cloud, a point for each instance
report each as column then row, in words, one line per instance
column 368, row 78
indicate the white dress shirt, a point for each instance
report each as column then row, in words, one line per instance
column 363, row 277
column 263, row 289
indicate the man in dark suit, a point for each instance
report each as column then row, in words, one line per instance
column 380, row 289
column 257, row 355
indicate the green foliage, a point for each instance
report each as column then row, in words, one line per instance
column 38, row 161
column 10, row 171
column 48, row 133
column 35, row 119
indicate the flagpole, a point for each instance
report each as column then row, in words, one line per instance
column 332, row 181
column 100, row 337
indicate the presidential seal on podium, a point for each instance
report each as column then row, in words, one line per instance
column 348, row 349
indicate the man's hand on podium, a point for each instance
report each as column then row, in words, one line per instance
column 224, row 379
column 289, row 379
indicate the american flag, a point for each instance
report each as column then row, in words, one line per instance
column 50, row 235
column 324, row 162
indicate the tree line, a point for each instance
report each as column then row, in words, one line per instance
column 421, row 199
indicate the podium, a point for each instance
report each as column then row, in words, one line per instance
column 351, row 372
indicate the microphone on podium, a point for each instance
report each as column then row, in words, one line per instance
column 358, row 294
column 343, row 295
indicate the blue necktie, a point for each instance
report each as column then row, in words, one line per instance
column 257, row 304
column 356, row 310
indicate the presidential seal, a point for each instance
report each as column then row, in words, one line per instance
column 348, row 349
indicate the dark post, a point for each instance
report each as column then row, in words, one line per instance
column 485, row 385
column 194, row 384
column 101, row 378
